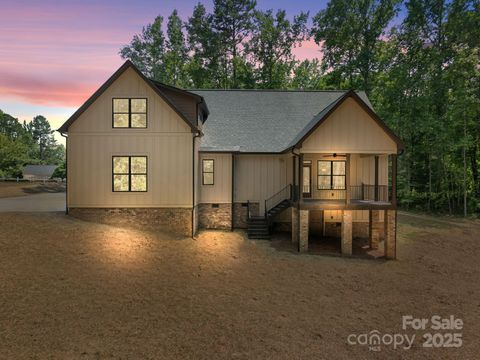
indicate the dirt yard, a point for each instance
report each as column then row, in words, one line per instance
column 13, row 189
column 76, row 290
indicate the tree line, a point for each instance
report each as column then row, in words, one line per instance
column 422, row 74
column 28, row 143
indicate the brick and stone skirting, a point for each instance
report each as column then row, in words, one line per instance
column 173, row 220
column 215, row 216
column 240, row 214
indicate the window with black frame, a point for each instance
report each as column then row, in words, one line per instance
column 129, row 173
column 331, row 174
column 129, row 113
column 208, row 172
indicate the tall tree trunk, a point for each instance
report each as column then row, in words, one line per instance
column 464, row 166
column 429, row 181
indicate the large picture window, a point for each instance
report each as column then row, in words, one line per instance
column 129, row 113
column 129, row 173
column 331, row 175
column 208, row 172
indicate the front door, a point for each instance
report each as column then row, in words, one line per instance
column 307, row 180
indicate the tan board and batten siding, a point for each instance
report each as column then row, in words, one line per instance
column 221, row 190
column 167, row 141
column 349, row 129
column 257, row 177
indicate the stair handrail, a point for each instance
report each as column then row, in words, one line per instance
column 286, row 191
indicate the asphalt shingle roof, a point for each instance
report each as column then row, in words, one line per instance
column 263, row 120
column 39, row 170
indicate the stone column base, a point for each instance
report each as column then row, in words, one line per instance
column 390, row 234
column 374, row 228
column 303, row 238
column 347, row 232
column 295, row 227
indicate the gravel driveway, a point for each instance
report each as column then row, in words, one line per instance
column 34, row 203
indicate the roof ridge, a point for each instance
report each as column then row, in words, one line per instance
column 271, row 90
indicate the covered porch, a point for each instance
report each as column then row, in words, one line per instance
column 350, row 181
column 347, row 183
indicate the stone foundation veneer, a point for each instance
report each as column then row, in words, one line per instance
column 173, row 220
column 346, row 241
column 304, row 230
column 215, row 216
column 240, row 214
column 390, row 243
column 295, row 225
column 375, row 228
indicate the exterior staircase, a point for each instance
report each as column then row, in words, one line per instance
column 259, row 226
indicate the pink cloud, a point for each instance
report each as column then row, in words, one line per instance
column 308, row 50
column 44, row 91
column 58, row 53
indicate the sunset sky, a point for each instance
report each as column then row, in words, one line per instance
column 55, row 54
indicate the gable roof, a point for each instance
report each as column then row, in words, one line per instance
column 39, row 170
column 271, row 121
column 251, row 121
column 127, row 65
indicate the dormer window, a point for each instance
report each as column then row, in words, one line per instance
column 129, row 113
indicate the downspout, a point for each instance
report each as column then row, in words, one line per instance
column 66, row 172
column 233, row 192
column 195, row 136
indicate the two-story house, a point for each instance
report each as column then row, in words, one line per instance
column 143, row 153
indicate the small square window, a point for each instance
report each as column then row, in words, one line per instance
column 331, row 175
column 129, row 113
column 129, row 173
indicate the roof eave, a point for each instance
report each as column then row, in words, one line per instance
column 128, row 64
column 338, row 102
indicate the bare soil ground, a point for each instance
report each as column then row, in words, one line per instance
column 13, row 189
column 77, row 290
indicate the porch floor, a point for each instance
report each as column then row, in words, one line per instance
column 341, row 204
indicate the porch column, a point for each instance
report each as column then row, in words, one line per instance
column 300, row 178
column 376, row 178
column 347, row 180
column 394, row 180
column 295, row 227
column 390, row 234
column 347, row 232
column 374, row 227
column 303, row 238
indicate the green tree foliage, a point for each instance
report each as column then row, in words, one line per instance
column 307, row 75
column 429, row 94
column 350, row 31
column 421, row 75
column 270, row 46
column 147, row 50
column 42, row 134
column 203, row 44
column 13, row 155
column 232, row 21
column 176, row 54
column 27, row 143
